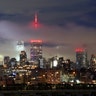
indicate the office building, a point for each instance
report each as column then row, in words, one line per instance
column 19, row 47
column 23, row 57
column 81, row 58
column 36, row 50
column 6, row 61
column 93, row 61
column 13, row 62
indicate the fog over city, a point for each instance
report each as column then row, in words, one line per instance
column 65, row 26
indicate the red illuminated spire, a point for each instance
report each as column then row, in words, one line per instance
column 35, row 24
column 36, row 21
column 36, row 18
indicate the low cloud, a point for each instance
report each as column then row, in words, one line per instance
column 57, row 40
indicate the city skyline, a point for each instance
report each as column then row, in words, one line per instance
column 65, row 26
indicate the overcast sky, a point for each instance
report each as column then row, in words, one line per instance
column 66, row 25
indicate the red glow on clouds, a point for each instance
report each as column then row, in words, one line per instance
column 35, row 25
column 79, row 50
column 36, row 41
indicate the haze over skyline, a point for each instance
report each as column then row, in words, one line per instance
column 66, row 25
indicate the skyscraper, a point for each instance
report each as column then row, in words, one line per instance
column 19, row 48
column 93, row 61
column 35, row 24
column 23, row 57
column 36, row 50
column 81, row 58
column 36, row 21
column 6, row 60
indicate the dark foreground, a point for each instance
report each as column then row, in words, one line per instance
column 49, row 90
column 49, row 93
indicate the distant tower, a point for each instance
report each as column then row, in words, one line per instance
column 36, row 21
column 35, row 24
column 19, row 48
column 81, row 58
column 6, row 61
column 23, row 57
column 93, row 61
column 36, row 50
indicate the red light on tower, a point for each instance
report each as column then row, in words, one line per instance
column 35, row 24
column 36, row 21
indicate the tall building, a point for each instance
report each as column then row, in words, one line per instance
column 81, row 58
column 13, row 62
column 19, row 48
column 35, row 24
column 1, row 59
column 36, row 50
column 36, row 21
column 23, row 57
column 6, row 61
column 93, row 61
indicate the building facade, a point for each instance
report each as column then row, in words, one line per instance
column 6, row 61
column 93, row 61
column 81, row 58
column 19, row 47
column 36, row 50
column 23, row 57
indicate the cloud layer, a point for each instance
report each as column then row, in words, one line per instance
column 66, row 25
column 50, row 11
column 57, row 40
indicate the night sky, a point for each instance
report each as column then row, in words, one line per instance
column 64, row 26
